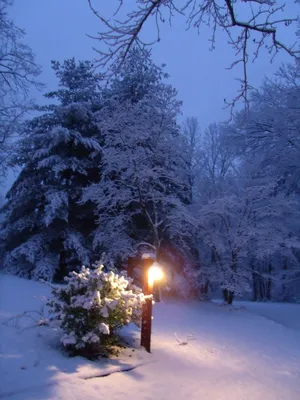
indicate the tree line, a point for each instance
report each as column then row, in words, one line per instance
column 106, row 171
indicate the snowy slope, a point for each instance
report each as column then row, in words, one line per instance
column 233, row 355
column 283, row 313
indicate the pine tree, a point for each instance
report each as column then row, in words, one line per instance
column 45, row 228
column 143, row 182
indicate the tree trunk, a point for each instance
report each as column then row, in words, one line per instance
column 228, row 296
column 285, row 267
column 62, row 270
column 205, row 288
column 254, row 282
column 269, row 284
column 225, row 295
column 261, row 289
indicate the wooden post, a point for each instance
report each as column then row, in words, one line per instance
column 147, row 307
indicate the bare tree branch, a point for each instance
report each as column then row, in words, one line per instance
column 260, row 29
column 18, row 73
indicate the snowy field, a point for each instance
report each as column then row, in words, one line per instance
column 252, row 352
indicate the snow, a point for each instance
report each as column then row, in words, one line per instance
column 199, row 351
column 285, row 314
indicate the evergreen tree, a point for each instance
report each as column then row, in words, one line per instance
column 144, row 182
column 45, row 228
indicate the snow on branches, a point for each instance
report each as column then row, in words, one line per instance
column 92, row 307
column 59, row 154
column 253, row 223
column 143, row 174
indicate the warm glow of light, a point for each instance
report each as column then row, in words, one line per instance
column 155, row 273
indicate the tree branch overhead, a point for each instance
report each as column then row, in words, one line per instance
column 260, row 28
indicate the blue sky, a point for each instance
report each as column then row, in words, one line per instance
column 56, row 30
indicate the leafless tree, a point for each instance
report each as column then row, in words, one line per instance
column 18, row 72
column 259, row 29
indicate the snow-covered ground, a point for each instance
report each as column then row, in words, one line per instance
column 285, row 314
column 241, row 354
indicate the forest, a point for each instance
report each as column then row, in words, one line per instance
column 107, row 171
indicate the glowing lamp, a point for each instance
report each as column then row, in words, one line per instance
column 155, row 273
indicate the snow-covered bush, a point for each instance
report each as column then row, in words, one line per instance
column 92, row 307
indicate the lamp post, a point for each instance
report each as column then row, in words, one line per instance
column 151, row 273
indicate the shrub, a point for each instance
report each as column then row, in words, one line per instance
column 92, row 307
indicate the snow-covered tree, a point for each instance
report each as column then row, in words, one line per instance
column 269, row 131
column 250, row 167
column 210, row 160
column 217, row 161
column 18, row 73
column 192, row 152
column 59, row 153
column 253, row 223
column 143, row 183
column 268, row 140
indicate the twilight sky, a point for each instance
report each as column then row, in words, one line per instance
column 56, row 30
